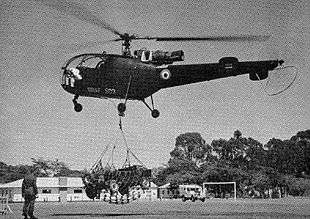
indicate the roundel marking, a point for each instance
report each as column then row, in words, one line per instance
column 165, row 74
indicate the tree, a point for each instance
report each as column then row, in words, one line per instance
column 192, row 147
column 305, row 145
column 222, row 149
column 231, row 152
column 53, row 168
column 237, row 134
column 286, row 156
column 302, row 140
column 9, row 173
column 297, row 186
column 255, row 155
column 302, row 135
column 181, row 165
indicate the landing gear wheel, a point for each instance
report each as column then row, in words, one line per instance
column 155, row 113
column 78, row 107
column 121, row 108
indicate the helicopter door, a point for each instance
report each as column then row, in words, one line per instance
column 92, row 80
column 91, row 74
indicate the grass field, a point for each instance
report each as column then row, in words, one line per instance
column 215, row 208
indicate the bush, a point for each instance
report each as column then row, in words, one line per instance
column 298, row 186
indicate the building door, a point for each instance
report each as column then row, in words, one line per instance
column 63, row 194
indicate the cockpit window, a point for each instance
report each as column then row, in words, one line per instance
column 90, row 62
column 86, row 60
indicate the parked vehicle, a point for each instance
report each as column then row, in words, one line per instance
column 191, row 192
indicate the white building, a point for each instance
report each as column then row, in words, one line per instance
column 151, row 193
column 167, row 192
column 57, row 189
column 62, row 189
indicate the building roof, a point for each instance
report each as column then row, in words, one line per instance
column 190, row 186
column 75, row 182
column 48, row 182
column 164, row 186
column 14, row 184
column 153, row 185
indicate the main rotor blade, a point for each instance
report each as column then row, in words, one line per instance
column 237, row 38
column 78, row 11
column 73, row 47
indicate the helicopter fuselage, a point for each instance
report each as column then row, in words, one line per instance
column 116, row 76
column 132, row 78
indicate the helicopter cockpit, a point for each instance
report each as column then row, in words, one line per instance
column 75, row 68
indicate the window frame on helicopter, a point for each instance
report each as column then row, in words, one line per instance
column 86, row 57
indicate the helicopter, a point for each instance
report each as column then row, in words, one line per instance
column 138, row 76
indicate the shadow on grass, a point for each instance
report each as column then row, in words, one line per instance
column 99, row 215
column 228, row 214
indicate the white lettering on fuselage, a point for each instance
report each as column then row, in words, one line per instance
column 109, row 91
column 93, row 90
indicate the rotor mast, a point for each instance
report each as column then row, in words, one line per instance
column 126, row 44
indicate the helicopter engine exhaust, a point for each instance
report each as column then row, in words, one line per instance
column 167, row 57
column 159, row 57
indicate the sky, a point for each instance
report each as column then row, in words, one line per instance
column 37, row 119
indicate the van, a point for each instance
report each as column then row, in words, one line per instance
column 191, row 192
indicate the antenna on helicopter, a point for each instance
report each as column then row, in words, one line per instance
column 126, row 44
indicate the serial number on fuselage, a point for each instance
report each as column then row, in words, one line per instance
column 97, row 90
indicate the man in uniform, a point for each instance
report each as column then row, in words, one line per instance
column 29, row 193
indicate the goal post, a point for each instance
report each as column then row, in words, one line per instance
column 205, row 184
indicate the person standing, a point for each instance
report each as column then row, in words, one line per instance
column 29, row 193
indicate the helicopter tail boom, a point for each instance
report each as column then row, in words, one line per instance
column 226, row 67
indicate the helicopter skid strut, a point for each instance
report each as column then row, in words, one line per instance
column 155, row 112
column 122, row 108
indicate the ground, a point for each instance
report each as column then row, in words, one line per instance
column 215, row 208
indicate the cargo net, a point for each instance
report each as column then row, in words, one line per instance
column 118, row 186
column 280, row 79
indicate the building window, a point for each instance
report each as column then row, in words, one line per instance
column 77, row 191
column 46, row 191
